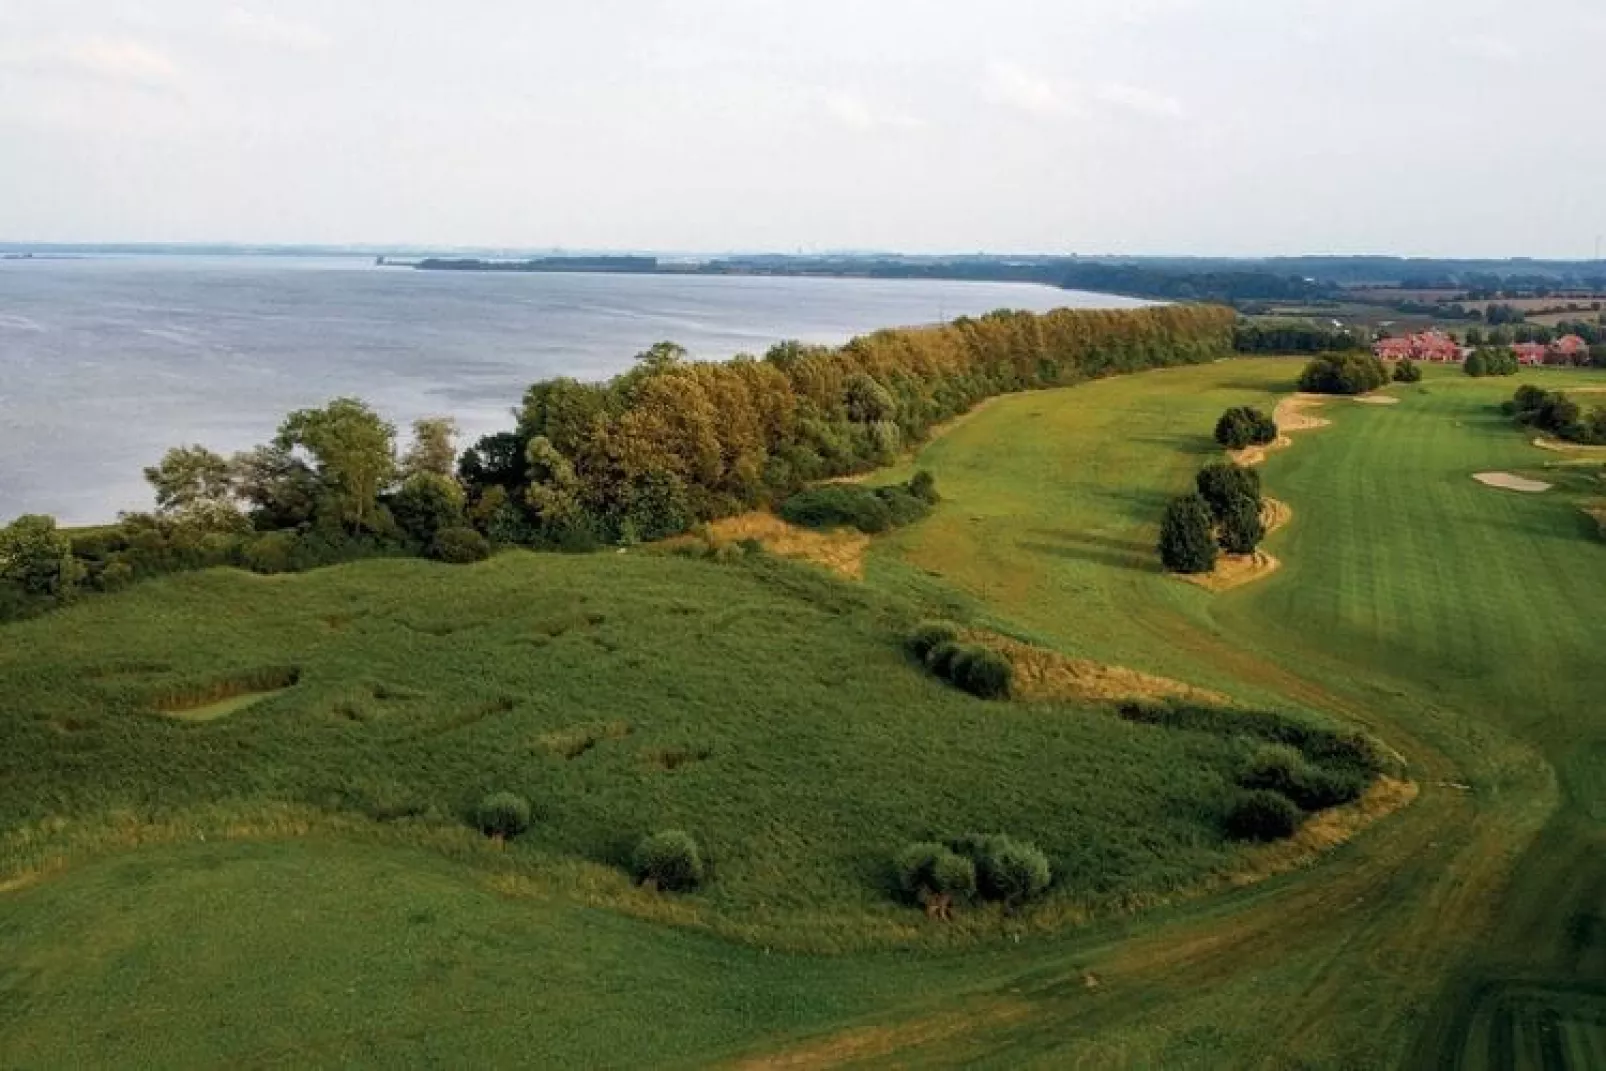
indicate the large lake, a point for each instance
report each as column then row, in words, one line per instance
column 105, row 363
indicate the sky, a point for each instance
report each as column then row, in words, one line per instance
column 1225, row 127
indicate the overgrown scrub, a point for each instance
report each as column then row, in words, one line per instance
column 870, row 510
column 670, row 860
column 502, row 815
column 934, row 876
column 1351, row 373
column 1262, row 815
column 1008, row 871
column 1285, row 770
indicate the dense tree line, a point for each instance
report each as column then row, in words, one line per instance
column 1293, row 336
column 673, row 442
column 668, row 444
column 1227, row 286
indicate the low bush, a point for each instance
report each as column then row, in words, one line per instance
column 1407, row 371
column 1009, row 871
column 669, row 860
column 870, row 510
column 502, row 815
column 1263, row 815
column 460, row 546
column 982, row 672
column 270, row 553
column 928, row 870
column 928, row 636
column 1491, row 361
column 1283, row 769
column 940, row 659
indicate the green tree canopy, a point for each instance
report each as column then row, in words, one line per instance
column 353, row 453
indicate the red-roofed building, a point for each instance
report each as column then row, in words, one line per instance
column 1569, row 349
column 1427, row 346
column 1530, row 352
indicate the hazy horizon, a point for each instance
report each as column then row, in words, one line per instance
column 1100, row 127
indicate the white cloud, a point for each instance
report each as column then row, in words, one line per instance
column 856, row 113
column 118, row 60
column 1013, row 86
column 1487, row 47
column 275, row 32
column 1138, row 99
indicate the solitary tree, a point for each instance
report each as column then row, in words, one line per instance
column 1187, row 539
column 1407, row 371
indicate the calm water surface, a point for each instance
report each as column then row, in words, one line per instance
column 105, row 363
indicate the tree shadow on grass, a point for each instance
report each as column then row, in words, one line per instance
column 1182, row 442
column 1099, row 550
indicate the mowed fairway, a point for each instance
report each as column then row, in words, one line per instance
column 1459, row 622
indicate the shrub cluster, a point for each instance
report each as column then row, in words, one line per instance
column 1285, row 770
column 1244, row 426
column 1558, row 414
column 870, row 510
column 502, row 815
column 669, row 860
column 1407, row 371
column 992, row 867
column 979, row 670
column 1491, row 361
column 1233, row 494
column 1350, row 373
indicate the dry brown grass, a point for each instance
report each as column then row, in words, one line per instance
column 1577, row 450
column 1042, row 675
column 842, row 551
column 877, row 1043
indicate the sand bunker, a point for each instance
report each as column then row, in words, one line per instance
column 1291, row 414
column 1042, row 675
column 1509, row 482
column 1376, row 399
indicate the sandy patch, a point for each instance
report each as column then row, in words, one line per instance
column 842, row 550
column 1042, row 675
column 1234, row 571
column 1584, row 390
column 1509, row 482
column 1376, row 399
column 1275, row 514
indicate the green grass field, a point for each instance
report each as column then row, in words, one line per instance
column 315, row 835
